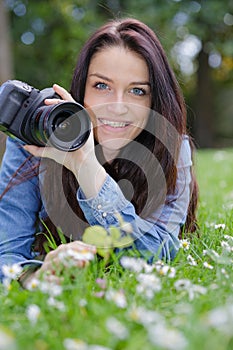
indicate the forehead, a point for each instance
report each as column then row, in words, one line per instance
column 119, row 62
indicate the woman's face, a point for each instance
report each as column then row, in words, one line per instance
column 117, row 96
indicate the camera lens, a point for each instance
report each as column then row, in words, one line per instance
column 65, row 126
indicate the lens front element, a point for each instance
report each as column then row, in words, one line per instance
column 66, row 126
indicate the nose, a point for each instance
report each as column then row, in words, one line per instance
column 118, row 108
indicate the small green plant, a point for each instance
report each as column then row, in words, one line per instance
column 106, row 240
column 51, row 244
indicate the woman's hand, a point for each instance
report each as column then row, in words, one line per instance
column 76, row 254
column 71, row 160
column 63, row 93
column 82, row 162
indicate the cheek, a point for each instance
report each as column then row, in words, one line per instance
column 141, row 117
column 92, row 116
column 140, row 125
column 88, row 103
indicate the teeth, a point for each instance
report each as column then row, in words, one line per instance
column 114, row 124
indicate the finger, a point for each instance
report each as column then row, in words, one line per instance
column 52, row 101
column 46, row 152
column 58, row 266
column 46, row 267
column 53, row 279
column 79, row 246
column 65, row 95
column 34, row 150
column 50, row 256
column 51, row 267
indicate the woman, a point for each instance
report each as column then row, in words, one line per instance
column 136, row 161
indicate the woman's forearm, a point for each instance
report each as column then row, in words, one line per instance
column 91, row 177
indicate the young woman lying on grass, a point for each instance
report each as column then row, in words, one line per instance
column 136, row 163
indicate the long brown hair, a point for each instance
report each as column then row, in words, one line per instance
column 167, row 101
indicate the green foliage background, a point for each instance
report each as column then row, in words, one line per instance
column 61, row 27
column 59, row 35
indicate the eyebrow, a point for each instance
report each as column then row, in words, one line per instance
column 111, row 81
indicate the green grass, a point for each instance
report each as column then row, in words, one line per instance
column 185, row 316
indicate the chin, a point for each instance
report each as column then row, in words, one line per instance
column 112, row 145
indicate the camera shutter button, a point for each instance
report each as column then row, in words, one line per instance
column 27, row 87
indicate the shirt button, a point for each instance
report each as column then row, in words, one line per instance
column 104, row 215
column 99, row 206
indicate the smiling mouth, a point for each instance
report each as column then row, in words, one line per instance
column 114, row 124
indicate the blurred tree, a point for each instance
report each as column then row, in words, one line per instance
column 47, row 36
column 212, row 24
column 6, row 66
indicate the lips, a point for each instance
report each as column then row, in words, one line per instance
column 114, row 124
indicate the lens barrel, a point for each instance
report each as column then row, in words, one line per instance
column 65, row 126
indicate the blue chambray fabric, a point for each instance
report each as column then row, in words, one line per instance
column 22, row 206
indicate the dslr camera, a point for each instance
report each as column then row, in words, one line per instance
column 23, row 114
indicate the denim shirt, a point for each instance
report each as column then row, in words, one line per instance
column 22, row 205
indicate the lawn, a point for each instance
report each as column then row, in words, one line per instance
column 186, row 305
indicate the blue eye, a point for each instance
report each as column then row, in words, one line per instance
column 138, row 91
column 101, row 86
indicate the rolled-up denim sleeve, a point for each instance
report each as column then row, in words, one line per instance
column 157, row 236
column 19, row 208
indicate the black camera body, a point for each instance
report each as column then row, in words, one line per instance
column 23, row 114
